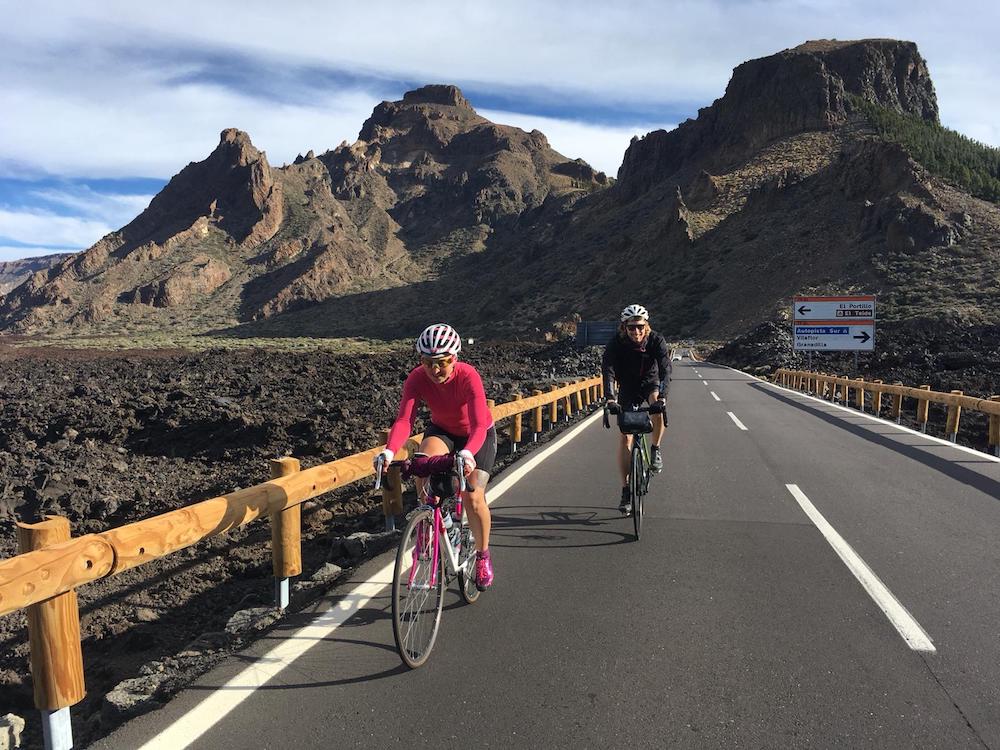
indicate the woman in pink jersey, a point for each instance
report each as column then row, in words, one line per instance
column 460, row 422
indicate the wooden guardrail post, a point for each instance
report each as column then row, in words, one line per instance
column 54, row 637
column 536, row 418
column 578, row 396
column 553, row 408
column 286, row 536
column 515, row 430
column 954, row 415
column 923, row 405
column 994, row 433
column 860, row 393
column 567, row 405
column 877, row 398
column 897, row 404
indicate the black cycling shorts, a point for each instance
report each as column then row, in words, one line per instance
column 485, row 457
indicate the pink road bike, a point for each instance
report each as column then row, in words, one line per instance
column 436, row 548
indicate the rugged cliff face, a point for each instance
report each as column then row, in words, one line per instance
column 15, row 272
column 798, row 90
column 231, row 239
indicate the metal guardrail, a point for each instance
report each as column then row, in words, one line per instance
column 43, row 578
column 854, row 392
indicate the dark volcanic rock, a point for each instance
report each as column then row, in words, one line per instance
column 106, row 439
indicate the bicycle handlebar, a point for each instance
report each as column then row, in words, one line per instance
column 657, row 407
column 424, row 466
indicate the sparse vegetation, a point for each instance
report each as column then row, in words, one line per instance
column 968, row 163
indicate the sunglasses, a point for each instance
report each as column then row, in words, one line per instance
column 443, row 362
column 636, row 326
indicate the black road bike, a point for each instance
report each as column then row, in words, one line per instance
column 636, row 423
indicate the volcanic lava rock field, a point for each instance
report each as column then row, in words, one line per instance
column 109, row 438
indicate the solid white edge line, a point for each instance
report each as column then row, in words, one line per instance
column 193, row 724
column 870, row 417
column 715, row 396
column 737, row 421
column 914, row 635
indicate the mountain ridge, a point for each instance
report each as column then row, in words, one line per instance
column 780, row 186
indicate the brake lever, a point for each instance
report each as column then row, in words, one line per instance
column 460, row 466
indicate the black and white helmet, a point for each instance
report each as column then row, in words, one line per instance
column 438, row 340
column 635, row 311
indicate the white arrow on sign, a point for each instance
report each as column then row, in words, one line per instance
column 835, row 335
column 856, row 307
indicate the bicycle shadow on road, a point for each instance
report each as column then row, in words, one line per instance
column 948, row 467
column 553, row 527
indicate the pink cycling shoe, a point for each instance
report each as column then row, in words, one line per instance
column 484, row 570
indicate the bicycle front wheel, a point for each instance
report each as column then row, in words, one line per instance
column 417, row 590
column 637, row 485
column 467, row 567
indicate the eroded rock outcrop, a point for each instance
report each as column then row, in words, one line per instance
column 801, row 89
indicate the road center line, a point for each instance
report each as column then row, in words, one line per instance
column 737, row 421
column 914, row 635
column 705, row 382
column 715, row 396
column 224, row 699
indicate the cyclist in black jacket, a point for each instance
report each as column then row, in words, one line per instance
column 639, row 360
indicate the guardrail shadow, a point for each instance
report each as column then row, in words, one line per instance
column 951, row 468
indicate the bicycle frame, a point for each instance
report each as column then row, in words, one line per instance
column 440, row 535
column 439, row 530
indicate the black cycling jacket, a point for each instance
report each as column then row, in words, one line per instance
column 633, row 367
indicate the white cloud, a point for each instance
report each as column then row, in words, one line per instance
column 601, row 146
column 11, row 252
column 115, row 209
column 49, row 229
column 154, row 130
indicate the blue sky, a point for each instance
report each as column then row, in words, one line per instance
column 101, row 103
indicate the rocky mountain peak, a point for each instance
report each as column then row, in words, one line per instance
column 446, row 95
column 235, row 147
column 802, row 89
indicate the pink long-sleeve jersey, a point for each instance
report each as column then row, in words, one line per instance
column 457, row 406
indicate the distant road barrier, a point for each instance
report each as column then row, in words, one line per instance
column 854, row 391
column 51, row 565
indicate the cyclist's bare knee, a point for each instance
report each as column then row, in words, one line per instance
column 433, row 446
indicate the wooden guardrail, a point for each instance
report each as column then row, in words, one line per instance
column 51, row 565
column 854, row 390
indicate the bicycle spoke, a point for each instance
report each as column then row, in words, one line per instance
column 417, row 593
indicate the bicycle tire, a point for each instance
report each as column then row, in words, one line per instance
column 636, row 484
column 416, row 607
column 467, row 567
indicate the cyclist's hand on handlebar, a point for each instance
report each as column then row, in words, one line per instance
column 468, row 462
column 386, row 457
column 613, row 407
column 659, row 406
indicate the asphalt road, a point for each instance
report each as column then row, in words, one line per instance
column 732, row 623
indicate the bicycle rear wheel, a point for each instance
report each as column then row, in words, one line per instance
column 417, row 590
column 637, row 485
column 467, row 567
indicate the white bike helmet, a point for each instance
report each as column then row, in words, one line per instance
column 438, row 340
column 635, row 311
